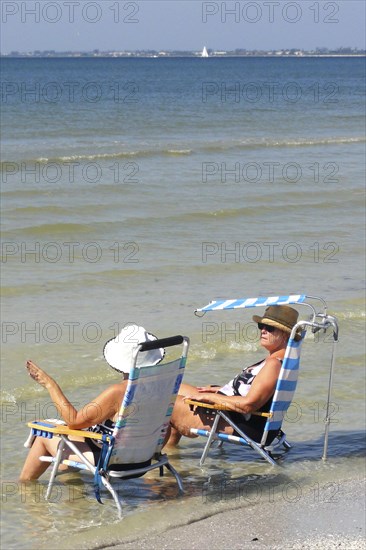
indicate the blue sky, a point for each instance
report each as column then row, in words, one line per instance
column 180, row 24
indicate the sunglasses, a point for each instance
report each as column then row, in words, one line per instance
column 268, row 328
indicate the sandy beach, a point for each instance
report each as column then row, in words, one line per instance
column 306, row 524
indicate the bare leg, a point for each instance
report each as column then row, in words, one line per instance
column 187, row 389
column 174, row 435
column 183, row 419
column 33, row 467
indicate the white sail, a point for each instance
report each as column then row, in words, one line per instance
column 204, row 52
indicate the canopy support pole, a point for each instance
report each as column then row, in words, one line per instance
column 333, row 322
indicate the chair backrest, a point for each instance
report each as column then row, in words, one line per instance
column 319, row 320
column 147, row 405
column 285, row 387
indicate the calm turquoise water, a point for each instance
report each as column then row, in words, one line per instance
column 136, row 190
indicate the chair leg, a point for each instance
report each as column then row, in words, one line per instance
column 209, row 440
column 177, row 477
column 56, row 463
column 114, row 494
column 253, row 444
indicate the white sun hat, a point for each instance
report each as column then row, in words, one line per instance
column 118, row 351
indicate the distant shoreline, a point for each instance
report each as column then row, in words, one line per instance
column 164, row 54
column 274, row 56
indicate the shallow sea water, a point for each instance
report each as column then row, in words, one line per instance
column 174, row 201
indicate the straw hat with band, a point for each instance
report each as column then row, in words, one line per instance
column 118, row 351
column 281, row 317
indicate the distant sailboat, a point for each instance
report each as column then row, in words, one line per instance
column 204, row 52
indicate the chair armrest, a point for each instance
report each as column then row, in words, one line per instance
column 215, row 406
column 59, row 429
column 218, row 407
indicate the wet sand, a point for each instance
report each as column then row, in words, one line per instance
column 336, row 522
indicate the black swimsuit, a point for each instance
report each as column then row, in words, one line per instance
column 106, row 428
column 254, row 426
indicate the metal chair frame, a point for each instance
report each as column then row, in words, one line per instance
column 319, row 320
column 107, row 468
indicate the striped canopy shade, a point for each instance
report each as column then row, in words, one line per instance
column 216, row 305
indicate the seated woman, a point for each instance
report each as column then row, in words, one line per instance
column 250, row 391
column 100, row 414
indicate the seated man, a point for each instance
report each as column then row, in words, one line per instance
column 251, row 390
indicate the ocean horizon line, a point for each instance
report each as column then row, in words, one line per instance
column 215, row 53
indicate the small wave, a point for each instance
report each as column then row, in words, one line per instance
column 7, row 397
column 89, row 157
column 355, row 315
column 50, row 209
column 274, row 143
column 312, row 142
column 55, row 228
column 100, row 278
column 86, row 157
column 221, row 214
column 186, row 149
column 21, row 290
column 250, row 211
column 110, row 275
column 179, row 151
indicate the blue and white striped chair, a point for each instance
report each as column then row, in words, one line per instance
column 286, row 383
column 134, row 447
